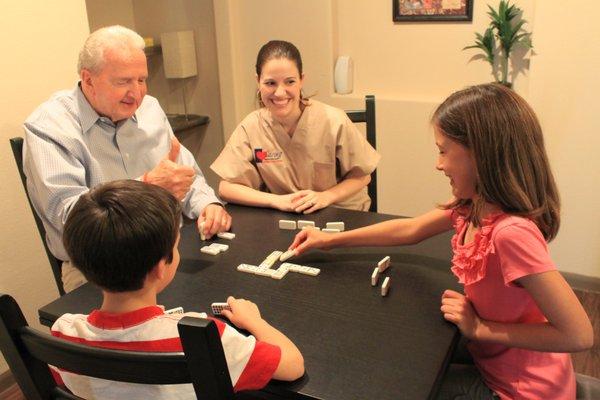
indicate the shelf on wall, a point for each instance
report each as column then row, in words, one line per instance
column 180, row 123
column 153, row 50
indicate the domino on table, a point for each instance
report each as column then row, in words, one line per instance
column 292, row 267
column 335, row 225
column 384, row 263
column 213, row 251
column 310, row 271
column 217, row 308
column 263, row 271
column 375, row 276
column 287, row 255
column 330, row 230
column 311, row 227
column 226, row 235
column 271, row 259
column 247, row 268
column 302, row 224
column 176, row 310
column 280, row 272
column 386, row 286
column 219, row 246
column 286, row 224
column 302, row 269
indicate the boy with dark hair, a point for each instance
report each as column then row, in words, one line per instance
column 123, row 236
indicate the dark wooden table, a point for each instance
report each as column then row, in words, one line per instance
column 356, row 344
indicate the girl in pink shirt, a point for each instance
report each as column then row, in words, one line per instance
column 520, row 317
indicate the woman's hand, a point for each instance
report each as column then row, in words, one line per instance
column 309, row 201
column 285, row 202
column 459, row 310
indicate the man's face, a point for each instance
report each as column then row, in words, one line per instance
column 117, row 90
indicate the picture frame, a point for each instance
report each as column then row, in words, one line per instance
column 432, row 10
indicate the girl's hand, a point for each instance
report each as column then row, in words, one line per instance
column 309, row 201
column 310, row 239
column 459, row 310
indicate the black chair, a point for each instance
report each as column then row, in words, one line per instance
column 368, row 116
column 17, row 147
column 29, row 351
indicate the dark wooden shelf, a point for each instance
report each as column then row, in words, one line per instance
column 180, row 123
column 152, row 50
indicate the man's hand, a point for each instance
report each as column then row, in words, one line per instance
column 459, row 310
column 244, row 314
column 169, row 175
column 215, row 219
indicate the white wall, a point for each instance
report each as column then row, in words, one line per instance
column 411, row 68
column 40, row 43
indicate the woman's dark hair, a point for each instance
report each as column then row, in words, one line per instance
column 117, row 232
column 278, row 49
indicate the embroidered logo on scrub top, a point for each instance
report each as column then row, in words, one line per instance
column 263, row 156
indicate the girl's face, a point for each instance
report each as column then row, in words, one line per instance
column 457, row 163
column 279, row 84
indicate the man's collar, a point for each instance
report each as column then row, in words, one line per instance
column 88, row 116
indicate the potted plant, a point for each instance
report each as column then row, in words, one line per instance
column 504, row 34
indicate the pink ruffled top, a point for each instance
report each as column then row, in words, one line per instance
column 469, row 262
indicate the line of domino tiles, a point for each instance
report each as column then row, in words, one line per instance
column 331, row 227
column 280, row 272
column 264, row 268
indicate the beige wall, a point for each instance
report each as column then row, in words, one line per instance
column 110, row 12
column 564, row 91
column 41, row 40
column 410, row 68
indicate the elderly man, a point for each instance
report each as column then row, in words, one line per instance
column 105, row 129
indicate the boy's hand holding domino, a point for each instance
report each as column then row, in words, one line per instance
column 244, row 314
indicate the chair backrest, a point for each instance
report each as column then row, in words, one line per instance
column 17, row 147
column 368, row 116
column 29, row 351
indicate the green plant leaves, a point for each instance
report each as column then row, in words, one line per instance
column 506, row 25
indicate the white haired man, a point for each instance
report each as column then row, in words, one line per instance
column 106, row 129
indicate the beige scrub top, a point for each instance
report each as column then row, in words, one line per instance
column 324, row 147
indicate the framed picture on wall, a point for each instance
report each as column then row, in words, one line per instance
column 432, row 10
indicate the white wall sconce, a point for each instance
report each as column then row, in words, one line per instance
column 179, row 57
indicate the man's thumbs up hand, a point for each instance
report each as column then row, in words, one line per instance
column 175, row 148
column 176, row 178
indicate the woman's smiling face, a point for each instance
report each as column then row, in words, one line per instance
column 280, row 84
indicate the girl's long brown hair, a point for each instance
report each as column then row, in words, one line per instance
column 506, row 140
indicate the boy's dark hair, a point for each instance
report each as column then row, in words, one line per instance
column 118, row 231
